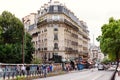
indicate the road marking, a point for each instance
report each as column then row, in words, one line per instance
column 97, row 77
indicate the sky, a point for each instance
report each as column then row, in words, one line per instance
column 94, row 12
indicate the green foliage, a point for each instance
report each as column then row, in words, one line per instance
column 112, row 57
column 110, row 38
column 28, row 48
column 10, row 53
column 11, row 28
column 106, row 61
column 20, row 78
column 36, row 61
column 11, row 39
column 98, row 38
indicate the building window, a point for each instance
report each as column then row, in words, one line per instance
column 45, row 39
column 55, row 27
column 41, row 13
column 39, row 49
column 55, row 36
column 56, row 46
column 55, row 17
column 45, row 48
column 55, row 8
column 45, row 10
column 45, row 30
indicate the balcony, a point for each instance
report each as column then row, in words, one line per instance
column 42, row 22
column 35, row 34
column 56, row 49
column 70, row 24
column 85, row 51
column 55, row 20
column 71, row 50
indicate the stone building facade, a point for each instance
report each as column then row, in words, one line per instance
column 95, row 54
column 56, row 31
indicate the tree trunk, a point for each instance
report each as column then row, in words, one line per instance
column 117, row 59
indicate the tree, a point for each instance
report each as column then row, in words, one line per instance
column 110, row 39
column 0, row 34
column 11, row 27
column 11, row 39
column 28, row 48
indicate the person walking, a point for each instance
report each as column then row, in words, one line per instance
column 44, row 68
column 18, row 70
column 23, row 70
column 1, row 72
column 28, row 70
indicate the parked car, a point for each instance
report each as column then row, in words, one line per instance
column 100, row 67
column 112, row 67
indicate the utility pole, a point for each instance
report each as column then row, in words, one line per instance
column 23, row 58
column 24, row 39
column 23, row 47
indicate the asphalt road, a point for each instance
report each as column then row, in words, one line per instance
column 82, row 75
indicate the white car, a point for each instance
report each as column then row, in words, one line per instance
column 112, row 67
column 100, row 67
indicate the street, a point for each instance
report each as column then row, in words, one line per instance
column 83, row 75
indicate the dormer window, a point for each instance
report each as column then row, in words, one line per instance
column 55, row 8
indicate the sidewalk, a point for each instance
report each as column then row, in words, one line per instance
column 64, row 77
column 61, row 73
column 117, row 77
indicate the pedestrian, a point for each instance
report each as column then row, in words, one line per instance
column 51, row 67
column 44, row 68
column 28, row 70
column 38, row 69
column 72, row 64
column 18, row 70
column 1, row 72
column 23, row 70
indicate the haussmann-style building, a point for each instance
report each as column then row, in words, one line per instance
column 57, row 32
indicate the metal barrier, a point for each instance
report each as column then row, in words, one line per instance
column 9, row 71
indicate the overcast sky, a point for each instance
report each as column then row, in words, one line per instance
column 94, row 12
